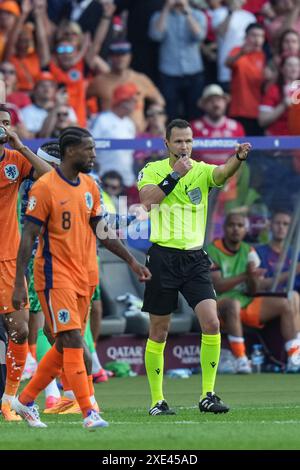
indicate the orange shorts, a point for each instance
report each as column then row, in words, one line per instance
column 7, row 282
column 250, row 315
column 64, row 309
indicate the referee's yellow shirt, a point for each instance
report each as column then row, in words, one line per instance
column 179, row 221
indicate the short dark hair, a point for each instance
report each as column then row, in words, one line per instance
column 281, row 211
column 70, row 137
column 5, row 109
column 254, row 26
column 232, row 214
column 180, row 123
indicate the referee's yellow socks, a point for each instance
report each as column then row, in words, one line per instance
column 209, row 360
column 154, row 363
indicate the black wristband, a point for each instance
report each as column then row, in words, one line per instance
column 239, row 158
column 168, row 184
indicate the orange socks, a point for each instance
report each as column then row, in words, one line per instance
column 49, row 368
column 64, row 381
column 237, row 346
column 75, row 371
column 91, row 385
column 15, row 362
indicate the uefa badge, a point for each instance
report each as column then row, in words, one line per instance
column 195, row 196
column 31, row 203
column 89, row 200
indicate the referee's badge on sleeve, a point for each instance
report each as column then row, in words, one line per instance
column 140, row 176
column 195, row 195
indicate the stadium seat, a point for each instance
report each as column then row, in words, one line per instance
column 111, row 274
column 117, row 279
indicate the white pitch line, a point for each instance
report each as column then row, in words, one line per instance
column 242, row 408
column 291, row 421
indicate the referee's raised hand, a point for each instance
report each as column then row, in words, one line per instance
column 182, row 165
column 242, row 150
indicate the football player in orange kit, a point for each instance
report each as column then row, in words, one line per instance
column 62, row 208
column 15, row 166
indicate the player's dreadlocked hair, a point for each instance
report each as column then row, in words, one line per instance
column 71, row 136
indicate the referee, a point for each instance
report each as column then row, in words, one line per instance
column 175, row 190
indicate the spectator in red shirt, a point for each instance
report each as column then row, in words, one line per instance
column 288, row 45
column 215, row 124
column 273, row 111
column 247, row 65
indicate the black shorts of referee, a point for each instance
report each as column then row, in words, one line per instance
column 173, row 271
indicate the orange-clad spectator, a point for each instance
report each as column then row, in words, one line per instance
column 27, row 44
column 9, row 12
column 74, row 59
column 275, row 105
column 64, row 71
column 247, row 65
column 103, row 86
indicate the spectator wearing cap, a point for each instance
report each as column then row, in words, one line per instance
column 214, row 124
column 9, row 13
column 117, row 124
column 247, row 64
column 27, row 43
column 103, row 86
column 44, row 100
column 180, row 30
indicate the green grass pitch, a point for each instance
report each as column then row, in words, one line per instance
column 265, row 414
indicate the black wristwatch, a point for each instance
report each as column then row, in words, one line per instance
column 239, row 158
column 175, row 175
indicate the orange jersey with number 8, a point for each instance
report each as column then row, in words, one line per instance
column 63, row 209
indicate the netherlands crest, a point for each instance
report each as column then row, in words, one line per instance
column 11, row 172
column 63, row 316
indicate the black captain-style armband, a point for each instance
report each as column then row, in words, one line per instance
column 168, row 184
